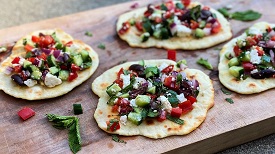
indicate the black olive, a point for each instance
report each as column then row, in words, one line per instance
column 139, row 69
column 205, row 14
column 186, row 89
column 186, row 16
column 263, row 74
column 16, row 78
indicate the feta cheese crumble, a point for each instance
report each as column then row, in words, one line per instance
column 51, row 80
column 126, row 80
column 30, row 82
column 165, row 103
column 133, row 103
column 123, row 119
column 138, row 81
column 254, row 58
column 181, row 98
column 183, row 31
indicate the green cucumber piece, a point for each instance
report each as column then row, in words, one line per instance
column 164, row 34
column 236, row 71
column 135, row 118
column 27, row 64
column 51, row 61
column 68, row 49
column 152, row 90
column 112, row 100
column 142, row 100
column 244, row 57
column 157, row 34
column 199, row 33
column 113, row 89
column 63, row 75
column 233, row 62
column 202, row 24
column 152, row 114
column 77, row 109
column 147, row 26
column 33, row 68
column 179, row 5
column 228, row 55
column 54, row 70
column 85, row 55
column 77, row 59
column 144, row 37
column 36, row 75
column 125, row 95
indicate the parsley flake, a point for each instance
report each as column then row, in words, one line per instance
column 175, row 120
column 226, row 92
column 101, row 46
column 88, row 34
column 229, row 100
column 205, row 63
column 117, row 139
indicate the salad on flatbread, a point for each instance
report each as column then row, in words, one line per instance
column 46, row 64
column 152, row 98
column 174, row 25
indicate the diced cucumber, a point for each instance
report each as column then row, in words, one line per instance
column 59, row 46
column 112, row 100
column 51, row 61
column 233, row 62
column 36, row 75
column 77, row 59
column 68, row 49
column 183, row 61
column 85, row 55
column 142, row 100
column 202, row 24
column 157, row 34
column 199, row 33
column 149, row 74
column 33, row 68
column 77, row 109
column 236, row 71
column 152, row 90
column 113, row 89
column 147, row 26
column 125, row 95
column 152, row 114
column 244, row 57
column 132, row 22
column 27, row 64
column 137, row 109
column 54, row 70
column 135, row 118
column 228, row 55
column 144, row 37
column 241, row 43
column 164, row 34
column 63, row 75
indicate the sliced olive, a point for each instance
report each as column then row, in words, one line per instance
column 263, row 74
column 16, row 78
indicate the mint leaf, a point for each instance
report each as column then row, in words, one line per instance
column 205, row 63
column 248, row 15
column 195, row 12
column 117, row 139
column 175, row 120
column 101, row 46
column 224, row 12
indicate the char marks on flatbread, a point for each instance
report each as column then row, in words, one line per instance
column 152, row 128
column 186, row 43
column 249, row 85
column 40, row 91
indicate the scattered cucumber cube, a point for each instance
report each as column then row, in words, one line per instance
column 142, row 100
column 36, row 75
column 51, row 61
column 152, row 90
column 113, row 89
column 236, row 71
column 26, row 64
column 233, row 62
column 85, row 55
column 77, row 59
column 199, row 33
column 135, row 118
column 54, row 70
column 63, row 75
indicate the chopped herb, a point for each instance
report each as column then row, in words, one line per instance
column 88, row 34
column 205, row 63
column 101, row 46
column 175, row 120
column 77, row 109
column 24, row 41
column 117, row 139
column 226, row 92
column 195, row 12
column 248, row 15
column 224, row 12
column 229, row 100
column 72, row 124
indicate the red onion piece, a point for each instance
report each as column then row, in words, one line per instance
column 36, row 62
column 60, row 59
column 8, row 70
column 270, row 44
column 46, row 51
column 212, row 20
column 66, row 57
column 195, row 83
column 271, row 52
column 56, row 53
column 135, row 5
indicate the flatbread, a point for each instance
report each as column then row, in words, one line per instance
column 249, row 85
column 38, row 92
column 187, row 43
column 154, row 129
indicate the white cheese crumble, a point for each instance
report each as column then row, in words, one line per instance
column 3, row 49
column 138, row 81
column 30, row 82
column 254, row 58
column 183, row 31
column 74, row 47
column 21, row 61
column 165, row 103
column 133, row 103
column 176, row 20
column 207, row 31
column 254, row 71
column 126, row 80
column 254, row 31
column 51, row 80
column 181, row 97
column 123, row 119
column 155, row 15
column 150, row 85
column 163, row 66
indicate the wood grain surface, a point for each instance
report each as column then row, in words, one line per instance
column 226, row 125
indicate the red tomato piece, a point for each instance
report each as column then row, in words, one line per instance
column 72, row 76
column 68, row 44
column 35, row 39
column 42, row 56
column 269, row 29
column 216, row 27
column 167, row 15
column 119, row 73
column 31, row 59
column 28, row 48
column 176, row 112
column 64, row 67
column 15, row 60
column 194, row 24
column 115, row 108
column 115, row 126
column 158, row 20
column 192, row 99
column 208, row 25
column 172, row 55
column 170, row 5
column 138, row 25
column 119, row 82
column 162, row 116
column 46, row 40
column 237, row 50
column 260, row 51
column 272, row 38
column 147, row 13
column 186, row 106
column 26, row 113
column 168, row 69
column 74, row 67
column 167, row 81
column 248, row 66
column 186, row 2
column 17, row 69
column 251, row 41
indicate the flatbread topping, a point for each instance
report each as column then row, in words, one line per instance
column 157, row 94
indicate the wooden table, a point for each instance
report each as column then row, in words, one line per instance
column 226, row 125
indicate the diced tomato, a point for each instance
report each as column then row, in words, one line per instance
column 17, row 69
column 269, row 29
column 35, row 39
column 24, row 75
column 237, row 50
column 26, row 113
column 115, row 108
column 157, row 7
column 74, row 67
column 260, row 51
column 152, row 96
column 119, row 82
column 167, row 15
column 168, row 69
column 176, row 112
column 172, row 55
column 208, row 25
column 170, row 5
column 167, row 81
column 162, row 116
column 251, row 41
column 31, row 59
column 46, row 40
column 186, row 2
column 194, row 24
column 68, row 44
column 272, row 38
column 248, row 66
column 72, row 76
column 113, row 125
column 216, row 27
column 28, row 47
column 179, row 11
column 147, row 13
column 192, row 99
column 206, row 8
column 186, row 106
column 125, row 27
column 119, row 73
column 138, row 25
column 158, row 20
column 42, row 56
column 15, row 60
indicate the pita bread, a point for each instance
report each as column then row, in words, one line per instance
column 132, row 37
column 154, row 129
column 249, row 85
column 39, row 91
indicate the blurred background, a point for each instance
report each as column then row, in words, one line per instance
column 17, row 12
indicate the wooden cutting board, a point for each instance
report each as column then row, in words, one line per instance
column 226, row 125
